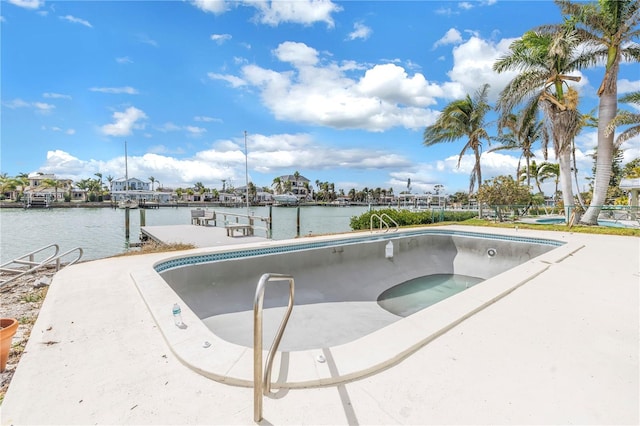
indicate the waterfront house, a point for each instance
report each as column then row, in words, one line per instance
column 135, row 184
column 47, row 186
column 299, row 186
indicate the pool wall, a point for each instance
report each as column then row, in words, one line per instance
column 204, row 352
column 343, row 273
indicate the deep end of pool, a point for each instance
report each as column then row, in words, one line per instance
column 203, row 349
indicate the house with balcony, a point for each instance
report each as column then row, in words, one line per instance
column 299, row 186
column 45, row 186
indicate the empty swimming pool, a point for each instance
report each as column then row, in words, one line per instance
column 338, row 282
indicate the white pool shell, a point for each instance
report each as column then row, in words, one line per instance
column 514, row 262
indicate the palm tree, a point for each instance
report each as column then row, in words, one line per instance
column 99, row 175
column 277, row 185
column 296, row 176
column 525, row 129
column 110, row 179
column 607, row 28
column 152, row 180
column 543, row 59
column 531, row 171
column 550, row 171
column 459, row 119
column 625, row 118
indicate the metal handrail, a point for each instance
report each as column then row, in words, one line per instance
column 262, row 385
column 35, row 265
column 383, row 222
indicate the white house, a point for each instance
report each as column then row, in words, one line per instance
column 135, row 184
column 298, row 186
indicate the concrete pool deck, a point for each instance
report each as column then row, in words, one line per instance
column 561, row 349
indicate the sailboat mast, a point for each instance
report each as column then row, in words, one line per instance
column 126, row 170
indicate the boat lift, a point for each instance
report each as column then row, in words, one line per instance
column 30, row 262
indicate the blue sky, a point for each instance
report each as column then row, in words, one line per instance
column 339, row 91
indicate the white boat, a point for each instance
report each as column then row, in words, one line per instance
column 285, row 199
column 127, row 203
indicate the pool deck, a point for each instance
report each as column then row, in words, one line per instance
column 561, row 349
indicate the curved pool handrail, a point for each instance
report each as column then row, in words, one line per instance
column 262, row 385
column 36, row 265
column 383, row 222
column 31, row 255
column 395, row 224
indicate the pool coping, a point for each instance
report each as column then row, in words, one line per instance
column 233, row 364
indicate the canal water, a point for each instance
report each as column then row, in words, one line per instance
column 100, row 231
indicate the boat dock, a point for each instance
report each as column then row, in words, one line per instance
column 198, row 236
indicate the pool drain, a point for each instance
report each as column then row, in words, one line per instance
column 491, row 252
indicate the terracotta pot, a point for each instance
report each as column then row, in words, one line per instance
column 8, row 327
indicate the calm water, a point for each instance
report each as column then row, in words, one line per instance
column 100, row 232
column 414, row 295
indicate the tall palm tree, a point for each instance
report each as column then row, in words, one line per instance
column 543, row 59
column 152, row 180
column 99, row 175
column 460, row 119
column 550, row 171
column 277, row 185
column 626, row 118
column 524, row 130
column 532, row 171
column 608, row 29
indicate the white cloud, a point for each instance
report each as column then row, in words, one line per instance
column 319, row 92
column 17, row 103
column 220, row 38
column 304, row 12
column 191, row 130
column 473, row 66
column 298, row 54
column 231, row 79
column 115, row 90
column 268, row 154
column 145, row 39
column 124, row 60
column 627, row 86
column 43, row 108
column 55, row 96
column 75, row 20
column 211, row 6
column 195, row 131
column 27, row 4
column 206, row 119
column 169, row 127
column 124, row 122
column 360, row 31
column 452, row 36
column 392, row 84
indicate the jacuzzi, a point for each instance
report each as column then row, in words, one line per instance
column 338, row 330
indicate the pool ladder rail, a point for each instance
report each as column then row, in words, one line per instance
column 27, row 263
column 382, row 222
column 262, row 384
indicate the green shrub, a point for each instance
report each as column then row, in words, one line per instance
column 410, row 218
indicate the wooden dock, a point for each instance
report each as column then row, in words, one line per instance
column 198, row 236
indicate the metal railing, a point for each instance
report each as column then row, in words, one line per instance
column 262, row 385
column 225, row 219
column 27, row 263
column 382, row 222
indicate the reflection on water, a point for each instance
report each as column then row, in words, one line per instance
column 100, row 231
